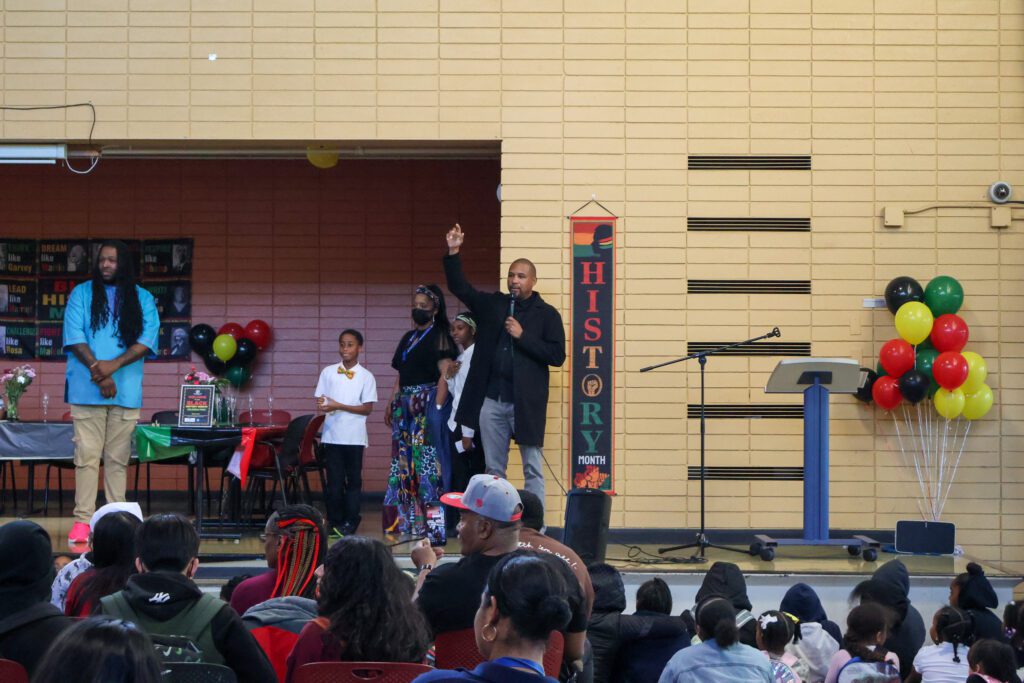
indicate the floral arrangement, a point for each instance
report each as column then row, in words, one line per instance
column 15, row 381
column 199, row 377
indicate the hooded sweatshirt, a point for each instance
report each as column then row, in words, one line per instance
column 725, row 580
column 28, row 622
column 977, row 598
column 276, row 624
column 817, row 645
column 890, row 586
column 159, row 596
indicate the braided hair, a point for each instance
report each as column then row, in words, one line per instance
column 300, row 551
column 864, row 623
column 954, row 626
column 127, row 313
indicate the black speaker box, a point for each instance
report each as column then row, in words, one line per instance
column 932, row 538
column 587, row 512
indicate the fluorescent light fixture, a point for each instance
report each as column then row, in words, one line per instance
column 33, row 154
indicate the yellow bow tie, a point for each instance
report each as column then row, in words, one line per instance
column 348, row 373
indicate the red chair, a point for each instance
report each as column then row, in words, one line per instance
column 309, row 459
column 283, row 459
column 12, row 672
column 359, row 672
column 458, row 648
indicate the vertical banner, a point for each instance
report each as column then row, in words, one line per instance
column 592, row 396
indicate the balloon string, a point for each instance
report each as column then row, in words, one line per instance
column 906, row 460
column 925, row 451
column 956, row 464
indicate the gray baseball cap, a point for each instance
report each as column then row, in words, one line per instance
column 488, row 496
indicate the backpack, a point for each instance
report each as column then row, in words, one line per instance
column 858, row 671
column 781, row 673
column 186, row 637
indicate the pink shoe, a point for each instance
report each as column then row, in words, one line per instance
column 79, row 533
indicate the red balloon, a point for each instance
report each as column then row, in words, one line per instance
column 950, row 369
column 259, row 332
column 897, row 356
column 886, row 392
column 234, row 329
column 949, row 333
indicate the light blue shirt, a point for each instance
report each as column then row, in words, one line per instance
column 708, row 663
column 79, row 387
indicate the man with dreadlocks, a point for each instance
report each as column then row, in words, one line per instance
column 295, row 543
column 110, row 326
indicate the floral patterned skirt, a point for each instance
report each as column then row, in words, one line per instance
column 414, row 481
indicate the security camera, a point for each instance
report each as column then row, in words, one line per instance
column 1000, row 192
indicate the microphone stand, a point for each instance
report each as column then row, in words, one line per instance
column 701, row 542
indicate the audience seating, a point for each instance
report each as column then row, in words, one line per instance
column 12, row 672
column 198, row 673
column 458, row 648
column 359, row 672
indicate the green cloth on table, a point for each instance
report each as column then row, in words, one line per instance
column 153, row 442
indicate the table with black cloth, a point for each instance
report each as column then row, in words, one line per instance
column 33, row 443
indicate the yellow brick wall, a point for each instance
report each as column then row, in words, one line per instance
column 898, row 101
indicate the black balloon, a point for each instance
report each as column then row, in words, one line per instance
column 863, row 393
column 914, row 385
column 244, row 355
column 214, row 364
column 901, row 290
column 200, row 338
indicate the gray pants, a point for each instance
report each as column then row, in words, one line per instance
column 497, row 424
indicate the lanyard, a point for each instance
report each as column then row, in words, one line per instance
column 414, row 340
column 520, row 663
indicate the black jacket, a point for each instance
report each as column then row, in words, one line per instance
column 27, row 634
column 890, row 586
column 542, row 344
column 803, row 603
column 161, row 595
column 977, row 598
column 725, row 580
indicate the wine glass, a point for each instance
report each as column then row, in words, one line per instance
column 252, row 414
column 270, row 408
column 46, row 405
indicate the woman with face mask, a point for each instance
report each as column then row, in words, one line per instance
column 421, row 359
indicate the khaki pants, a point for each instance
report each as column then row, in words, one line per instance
column 101, row 431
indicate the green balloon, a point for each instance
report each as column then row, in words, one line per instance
column 237, row 375
column 879, row 370
column 225, row 346
column 944, row 295
column 925, row 360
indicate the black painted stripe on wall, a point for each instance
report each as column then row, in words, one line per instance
column 746, row 473
column 748, row 286
column 762, row 411
column 712, row 224
column 756, row 349
column 748, row 161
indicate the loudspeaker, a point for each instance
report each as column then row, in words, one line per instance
column 933, row 538
column 587, row 512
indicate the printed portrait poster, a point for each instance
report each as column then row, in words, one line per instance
column 64, row 257
column 173, row 342
column 167, row 258
column 173, row 298
column 592, row 396
column 50, row 341
column 18, row 258
column 18, row 299
column 19, row 339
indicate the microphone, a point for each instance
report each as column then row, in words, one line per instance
column 775, row 332
column 511, row 305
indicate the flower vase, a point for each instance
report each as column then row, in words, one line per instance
column 12, row 409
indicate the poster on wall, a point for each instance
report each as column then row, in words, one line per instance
column 592, row 377
column 37, row 276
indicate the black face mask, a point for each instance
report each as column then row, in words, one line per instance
column 421, row 317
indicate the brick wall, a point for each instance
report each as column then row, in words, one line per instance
column 311, row 252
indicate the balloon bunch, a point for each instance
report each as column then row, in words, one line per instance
column 928, row 361
column 230, row 351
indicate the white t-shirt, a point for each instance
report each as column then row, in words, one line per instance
column 935, row 664
column 342, row 427
column 456, row 385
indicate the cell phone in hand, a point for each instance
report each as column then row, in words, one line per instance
column 436, row 532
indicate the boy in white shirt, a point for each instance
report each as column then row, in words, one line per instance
column 467, row 454
column 346, row 391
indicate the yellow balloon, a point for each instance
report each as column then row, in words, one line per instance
column 978, row 403
column 977, row 372
column 914, row 322
column 949, row 404
column 321, row 157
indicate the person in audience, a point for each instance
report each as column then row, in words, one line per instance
column 972, row 592
column 228, row 589
column 816, row 639
column 61, row 560
column 609, row 631
column 28, row 622
column 101, row 650
column 720, row 657
column 365, row 611
column 168, row 549
column 524, row 599
column 775, row 630
column 276, row 625
column 946, row 660
column 294, row 543
column 866, row 632
column 113, row 557
column 71, row 571
column 889, row 586
column 992, row 661
column 642, row 659
column 724, row 579
column 1013, row 623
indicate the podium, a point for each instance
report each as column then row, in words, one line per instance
column 816, row 379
